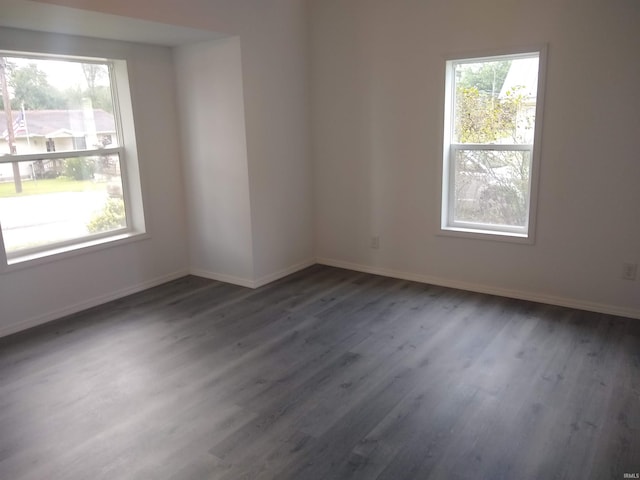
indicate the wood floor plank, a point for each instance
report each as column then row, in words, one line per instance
column 324, row 374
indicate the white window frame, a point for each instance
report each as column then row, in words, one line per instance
column 127, row 153
column 451, row 227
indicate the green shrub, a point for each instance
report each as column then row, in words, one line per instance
column 79, row 168
column 112, row 217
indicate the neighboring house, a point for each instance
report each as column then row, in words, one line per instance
column 51, row 131
column 522, row 79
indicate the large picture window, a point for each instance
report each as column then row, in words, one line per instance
column 491, row 137
column 63, row 159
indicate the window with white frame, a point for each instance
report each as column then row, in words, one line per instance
column 64, row 158
column 491, row 142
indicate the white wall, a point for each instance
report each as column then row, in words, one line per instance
column 274, row 39
column 211, row 107
column 377, row 101
column 39, row 293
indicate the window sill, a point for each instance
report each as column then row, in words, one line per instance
column 479, row 234
column 60, row 253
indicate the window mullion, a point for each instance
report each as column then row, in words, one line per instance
column 61, row 155
column 498, row 147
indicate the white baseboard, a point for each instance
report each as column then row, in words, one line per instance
column 283, row 273
column 246, row 282
column 533, row 297
column 94, row 302
column 222, row 277
column 473, row 287
column 90, row 303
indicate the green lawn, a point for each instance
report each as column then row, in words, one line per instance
column 31, row 187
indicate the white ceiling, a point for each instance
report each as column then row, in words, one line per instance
column 30, row 15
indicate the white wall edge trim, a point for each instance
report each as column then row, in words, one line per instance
column 223, row 277
column 102, row 299
column 92, row 302
column 474, row 287
column 284, row 272
column 246, row 282
column 502, row 292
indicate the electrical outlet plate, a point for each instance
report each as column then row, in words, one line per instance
column 375, row 242
column 629, row 271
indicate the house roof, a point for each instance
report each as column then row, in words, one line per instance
column 59, row 123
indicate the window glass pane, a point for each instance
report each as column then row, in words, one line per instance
column 61, row 200
column 495, row 101
column 492, row 187
column 56, row 105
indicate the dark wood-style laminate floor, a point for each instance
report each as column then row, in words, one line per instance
column 326, row 374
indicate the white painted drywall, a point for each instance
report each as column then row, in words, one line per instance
column 29, row 15
column 274, row 40
column 377, row 100
column 216, row 178
column 39, row 293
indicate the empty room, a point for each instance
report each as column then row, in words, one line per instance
column 319, row 239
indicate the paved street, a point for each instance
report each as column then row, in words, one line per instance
column 33, row 220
